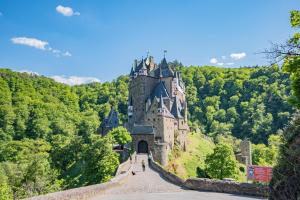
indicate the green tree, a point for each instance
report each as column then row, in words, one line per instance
column 120, row 135
column 5, row 190
column 27, row 167
column 103, row 164
column 285, row 180
column 221, row 163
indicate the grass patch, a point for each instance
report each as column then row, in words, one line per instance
column 184, row 164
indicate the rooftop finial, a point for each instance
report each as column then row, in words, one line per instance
column 148, row 53
column 165, row 52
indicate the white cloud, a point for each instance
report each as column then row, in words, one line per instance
column 238, row 56
column 56, row 51
column 39, row 44
column 213, row 61
column 220, row 63
column 223, row 57
column 74, row 80
column 67, row 54
column 32, row 42
column 66, row 11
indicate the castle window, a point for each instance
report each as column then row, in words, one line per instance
column 148, row 119
column 154, row 119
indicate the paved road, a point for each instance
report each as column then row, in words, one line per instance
column 149, row 185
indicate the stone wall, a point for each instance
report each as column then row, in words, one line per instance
column 212, row 185
column 166, row 174
column 124, row 167
column 86, row 192
column 245, row 147
column 227, row 187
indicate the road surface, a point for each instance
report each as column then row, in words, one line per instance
column 149, row 185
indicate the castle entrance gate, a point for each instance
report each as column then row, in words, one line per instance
column 142, row 147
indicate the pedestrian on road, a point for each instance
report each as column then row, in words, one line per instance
column 149, row 158
column 130, row 158
column 143, row 165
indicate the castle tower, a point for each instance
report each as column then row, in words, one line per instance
column 156, row 108
column 112, row 121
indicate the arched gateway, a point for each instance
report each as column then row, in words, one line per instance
column 142, row 146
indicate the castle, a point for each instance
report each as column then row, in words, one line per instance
column 157, row 109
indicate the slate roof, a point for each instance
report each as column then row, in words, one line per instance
column 163, row 70
column 142, row 130
column 164, row 109
column 138, row 67
column 166, row 70
column 144, row 64
column 112, row 119
column 175, row 111
column 161, row 102
column 132, row 71
column 160, row 91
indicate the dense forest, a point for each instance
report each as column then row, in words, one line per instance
column 48, row 130
column 245, row 102
column 47, row 133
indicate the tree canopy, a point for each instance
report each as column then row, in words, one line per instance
column 249, row 102
column 285, row 180
column 221, row 163
column 120, row 135
column 48, row 134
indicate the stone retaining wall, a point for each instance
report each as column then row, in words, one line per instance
column 227, row 187
column 212, row 185
column 166, row 174
column 86, row 192
column 124, row 167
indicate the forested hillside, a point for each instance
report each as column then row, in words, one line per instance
column 48, row 130
column 47, row 133
column 245, row 102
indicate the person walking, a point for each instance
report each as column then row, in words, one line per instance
column 143, row 165
column 149, row 158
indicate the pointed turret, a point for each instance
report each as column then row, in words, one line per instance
column 165, row 69
column 131, row 72
column 175, row 109
column 143, row 68
column 112, row 121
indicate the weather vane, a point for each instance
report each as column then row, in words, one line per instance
column 165, row 52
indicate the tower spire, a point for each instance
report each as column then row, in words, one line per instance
column 165, row 52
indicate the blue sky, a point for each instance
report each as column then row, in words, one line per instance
column 100, row 38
